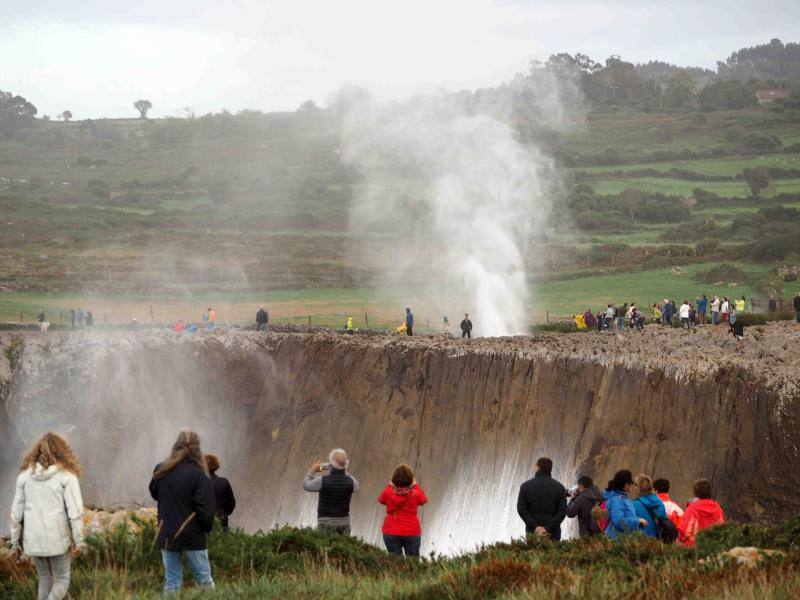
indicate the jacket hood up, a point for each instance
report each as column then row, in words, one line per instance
column 41, row 474
column 593, row 493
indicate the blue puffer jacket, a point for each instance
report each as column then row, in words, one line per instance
column 656, row 506
column 622, row 517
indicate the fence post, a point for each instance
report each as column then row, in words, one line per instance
column 428, row 324
column 21, row 320
column 309, row 320
column 60, row 317
column 547, row 316
column 151, row 313
column 366, row 320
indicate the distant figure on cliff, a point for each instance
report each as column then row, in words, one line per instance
column 186, row 508
column 715, row 306
column 683, row 313
column 725, row 309
column 47, row 513
column 667, row 310
column 210, row 318
column 542, row 502
column 466, row 327
column 335, row 490
column 262, row 319
column 72, row 317
column 701, row 513
column 622, row 517
column 79, row 317
column 348, row 328
column 586, row 497
column 589, row 319
column 178, row 327
column 402, row 497
column 622, row 313
column 796, row 303
column 409, row 322
column 702, row 308
column 223, row 492
column 445, row 327
column 89, row 319
column 43, row 324
column 741, row 304
column 608, row 317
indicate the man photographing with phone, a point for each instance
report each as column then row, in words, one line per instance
column 335, row 489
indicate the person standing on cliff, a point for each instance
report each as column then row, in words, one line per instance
column 262, row 319
column 409, row 322
column 542, row 502
column 335, row 491
column 466, row 327
column 796, row 303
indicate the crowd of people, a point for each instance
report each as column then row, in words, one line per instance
column 47, row 510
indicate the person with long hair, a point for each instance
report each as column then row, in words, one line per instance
column 402, row 497
column 48, row 513
column 186, row 507
column 622, row 517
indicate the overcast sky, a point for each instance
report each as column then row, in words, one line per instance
column 96, row 57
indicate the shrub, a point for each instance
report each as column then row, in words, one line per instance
column 723, row 272
column 756, row 143
column 774, row 247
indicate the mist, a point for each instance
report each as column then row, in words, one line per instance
column 454, row 195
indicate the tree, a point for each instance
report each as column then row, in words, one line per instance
column 680, row 89
column 757, row 179
column 15, row 113
column 307, row 107
column 143, row 106
column 66, row 115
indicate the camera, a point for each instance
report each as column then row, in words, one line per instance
column 325, row 466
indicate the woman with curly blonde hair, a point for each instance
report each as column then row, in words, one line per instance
column 48, row 510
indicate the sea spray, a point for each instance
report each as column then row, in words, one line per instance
column 456, row 198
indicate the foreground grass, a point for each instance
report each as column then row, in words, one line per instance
column 302, row 563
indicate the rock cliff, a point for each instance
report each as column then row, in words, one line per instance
column 471, row 418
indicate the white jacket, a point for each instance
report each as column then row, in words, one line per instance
column 47, row 508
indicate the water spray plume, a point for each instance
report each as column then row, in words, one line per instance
column 458, row 195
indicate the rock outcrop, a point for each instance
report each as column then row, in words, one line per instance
column 471, row 418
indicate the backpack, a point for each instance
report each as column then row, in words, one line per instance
column 667, row 531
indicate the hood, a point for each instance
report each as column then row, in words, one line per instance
column 593, row 493
column 609, row 494
column 40, row 473
column 651, row 500
column 708, row 508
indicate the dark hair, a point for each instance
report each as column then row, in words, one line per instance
column 621, row 479
column 585, row 481
column 212, row 462
column 545, row 465
column 610, row 485
column 402, row 476
column 661, row 486
column 702, row 489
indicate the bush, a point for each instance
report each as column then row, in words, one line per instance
column 723, row 537
column 774, row 247
column 723, row 272
column 756, row 143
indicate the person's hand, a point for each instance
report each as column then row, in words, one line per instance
column 643, row 522
column 78, row 550
column 316, row 467
column 540, row 531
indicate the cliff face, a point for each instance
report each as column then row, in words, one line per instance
column 470, row 419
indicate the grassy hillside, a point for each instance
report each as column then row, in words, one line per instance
column 250, row 203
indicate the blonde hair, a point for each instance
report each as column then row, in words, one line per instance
column 645, row 484
column 186, row 446
column 52, row 449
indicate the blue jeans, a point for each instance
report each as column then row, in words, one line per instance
column 798, row 316
column 173, row 568
column 621, row 323
column 395, row 544
column 715, row 318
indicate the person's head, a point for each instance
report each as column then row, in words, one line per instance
column 408, row 310
column 743, row 298
column 704, row 297
column 623, row 481
column 644, row 484
column 661, row 486
column 702, row 489
column 186, row 447
column 212, row 462
column 338, row 459
column 686, row 302
column 585, row 482
column 52, row 449
column 209, row 309
column 544, row 465
column 609, row 306
column 466, row 315
column 444, row 319
column 402, row 476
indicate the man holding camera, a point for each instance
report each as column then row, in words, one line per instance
column 335, row 487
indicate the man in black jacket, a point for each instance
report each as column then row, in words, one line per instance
column 796, row 303
column 542, row 502
column 262, row 318
column 466, row 328
column 223, row 492
column 335, row 490
column 186, row 508
column 581, row 506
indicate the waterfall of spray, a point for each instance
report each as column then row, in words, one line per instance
column 458, row 197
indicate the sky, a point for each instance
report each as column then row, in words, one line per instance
column 96, row 57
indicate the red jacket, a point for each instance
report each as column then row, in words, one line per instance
column 401, row 510
column 699, row 515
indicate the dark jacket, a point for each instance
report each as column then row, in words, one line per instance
column 225, row 500
column 796, row 302
column 334, row 497
column 181, row 492
column 542, row 502
column 409, row 319
column 466, row 325
column 262, row 316
column 581, row 506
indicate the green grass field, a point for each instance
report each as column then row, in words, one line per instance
column 677, row 187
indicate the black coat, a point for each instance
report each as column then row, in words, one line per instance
column 581, row 506
column 181, row 492
column 466, row 325
column 262, row 317
column 226, row 501
column 542, row 502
